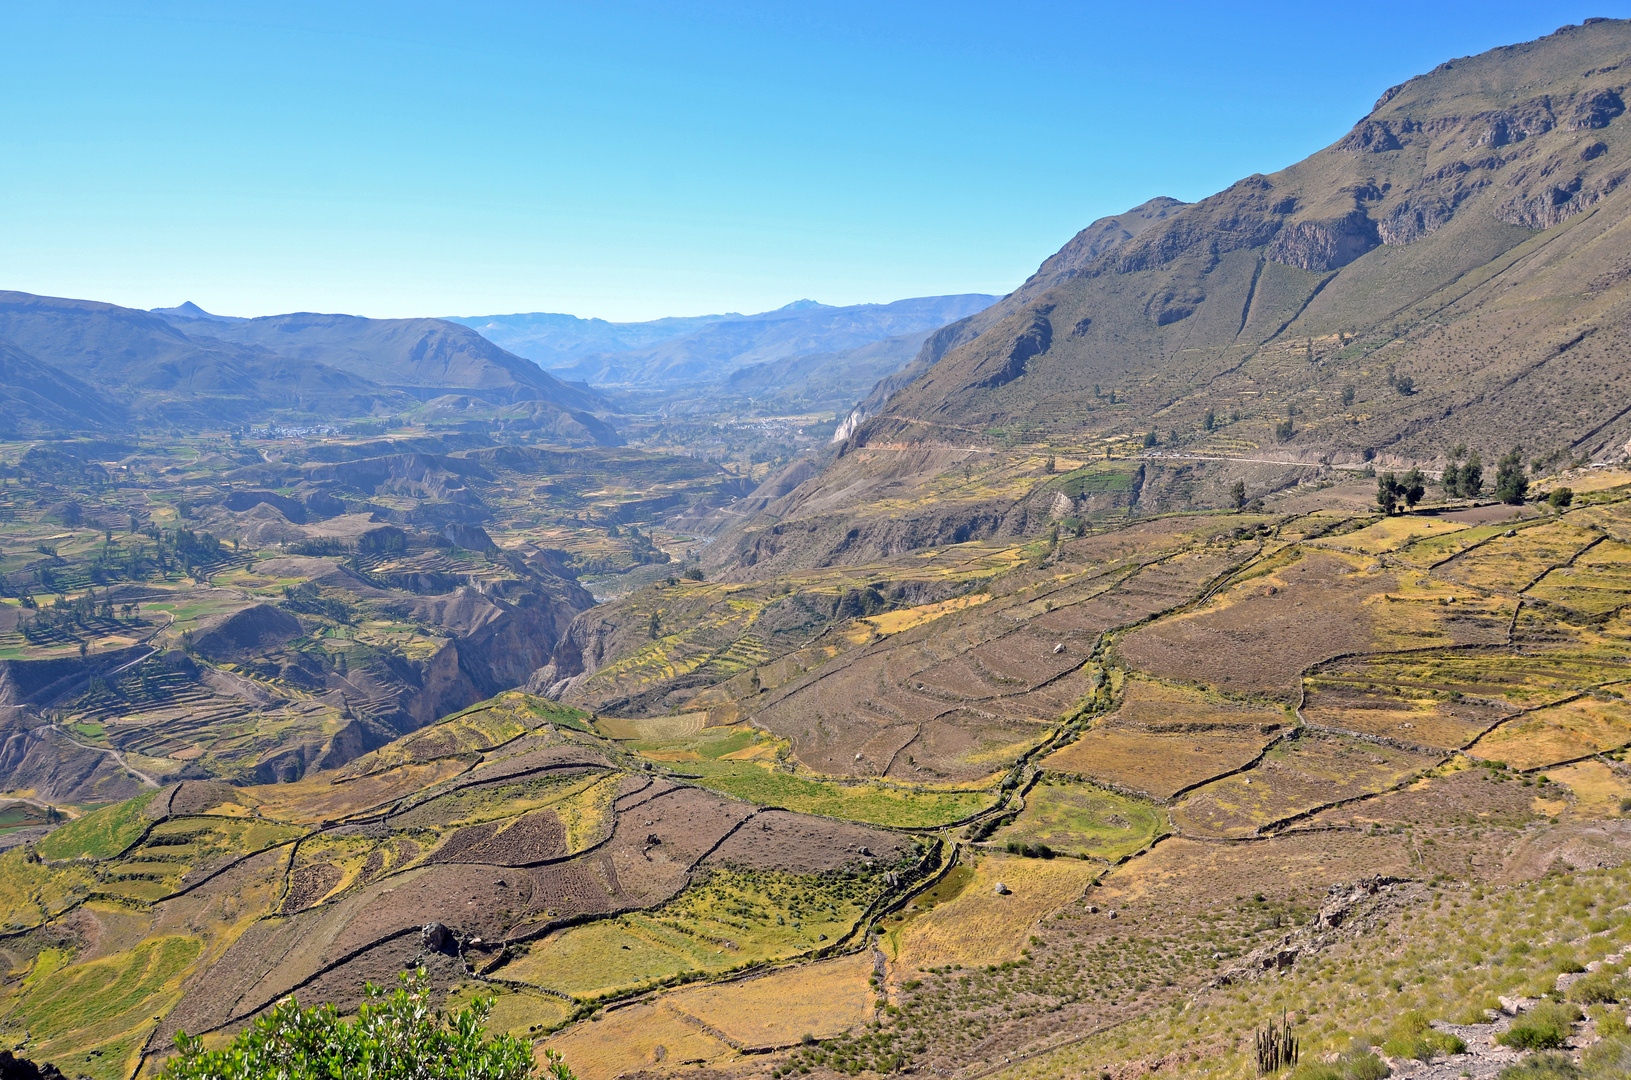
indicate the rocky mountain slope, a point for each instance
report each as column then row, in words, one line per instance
column 1468, row 233
column 1452, row 272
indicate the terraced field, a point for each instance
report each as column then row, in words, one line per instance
column 1164, row 743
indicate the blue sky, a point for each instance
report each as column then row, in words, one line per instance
column 635, row 160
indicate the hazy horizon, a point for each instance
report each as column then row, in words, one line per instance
column 635, row 162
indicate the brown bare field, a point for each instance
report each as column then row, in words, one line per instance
column 1161, row 707
column 1262, row 633
column 1297, row 775
column 1158, row 765
column 1559, row 733
column 1454, row 796
column 1412, row 716
column 981, row 927
column 1185, row 874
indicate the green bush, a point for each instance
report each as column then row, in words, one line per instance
column 1411, row 1036
column 1542, row 1028
column 1601, row 987
column 1609, row 1058
column 1357, row 1064
column 1541, row 1067
column 395, row 1036
column 1610, row 1022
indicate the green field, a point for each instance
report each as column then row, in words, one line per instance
column 101, row 834
column 1080, row 818
column 99, row 1012
column 730, row 919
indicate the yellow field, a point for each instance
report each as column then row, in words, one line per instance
column 1559, row 733
column 779, row 1009
column 628, row 1040
column 317, row 798
column 1599, row 581
column 980, row 927
column 516, row 1010
column 1597, row 788
column 479, row 728
column 651, row 728
column 1389, row 534
column 1295, row 776
column 1589, row 480
column 1509, row 563
column 893, row 622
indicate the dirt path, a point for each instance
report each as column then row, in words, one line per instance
column 146, row 780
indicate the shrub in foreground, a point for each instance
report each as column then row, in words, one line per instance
column 396, row 1035
column 1411, row 1036
column 1602, row 987
column 1357, row 1064
column 1542, row 1067
column 1542, row 1028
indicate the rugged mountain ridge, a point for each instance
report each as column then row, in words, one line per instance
column 421, row 357
column 1451, row 271
column 186, row 366
column 1368, row 239
column 713, row 352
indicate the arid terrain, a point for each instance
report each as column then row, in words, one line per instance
column 1101, row 691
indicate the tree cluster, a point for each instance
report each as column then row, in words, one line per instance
column 1393, row 489
column 1463, row 478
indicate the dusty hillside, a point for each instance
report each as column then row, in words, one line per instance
column 1453, row 271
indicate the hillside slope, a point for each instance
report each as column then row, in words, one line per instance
column 551, row 339
column 1474, row 213
column 1455, row 270
column 38, row 397
column 423, row 357
column 168, row 374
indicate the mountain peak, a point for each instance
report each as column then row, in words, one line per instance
column 803, row 305
column 188, row 310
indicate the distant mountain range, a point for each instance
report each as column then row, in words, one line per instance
column 712, row 348
column 70, row 365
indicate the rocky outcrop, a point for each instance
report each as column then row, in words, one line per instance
column 16, row 1068
column 1032, row 338
column 1556, row 202
column 1371, row 136
column 469, row 537
column 1595, row 110
column 1322, row 246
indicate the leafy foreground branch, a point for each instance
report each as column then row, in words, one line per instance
column 396, row 1035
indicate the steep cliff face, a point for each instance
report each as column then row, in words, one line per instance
column 1470, row 233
